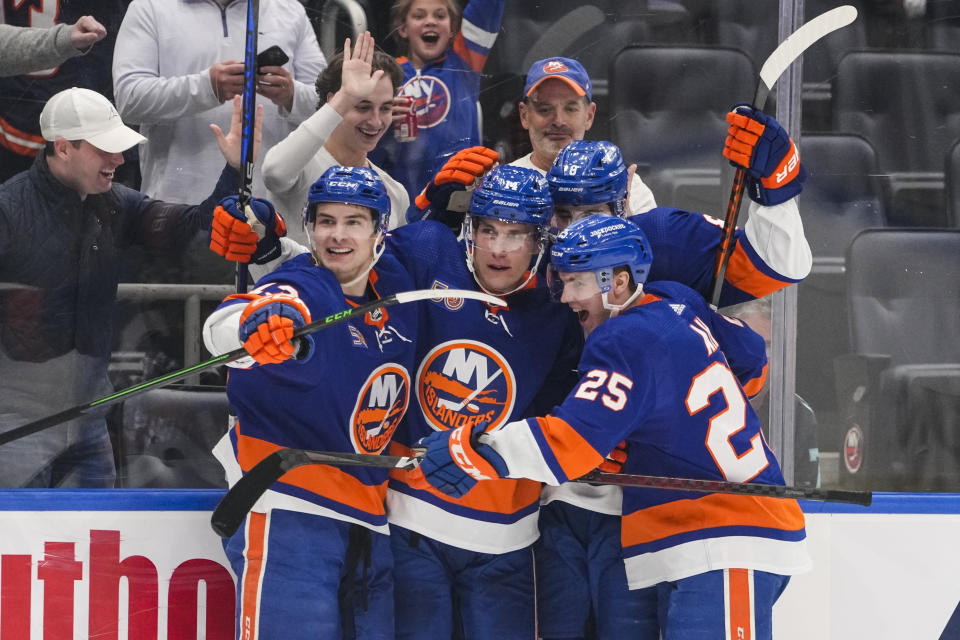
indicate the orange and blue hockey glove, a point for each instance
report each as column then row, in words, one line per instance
column 459, row 174
column 244, row 236
column 267, row 325
column 456, row 460
column 757, row 143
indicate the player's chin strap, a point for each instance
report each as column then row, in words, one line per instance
column 615, row 309
column 377, row 252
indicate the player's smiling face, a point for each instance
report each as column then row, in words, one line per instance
column 582, row 294
column 85, row 168
column 364, row 124
column 502, row 251
column 555, row 116
column 344, row 236
column 427, row 29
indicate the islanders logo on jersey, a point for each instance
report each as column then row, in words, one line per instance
column 431, row 99
column 381, row 404
column 463, row 383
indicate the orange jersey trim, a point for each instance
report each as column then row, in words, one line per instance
column 474, row 59
column 742, row 274
column 254, row 556
column 753, row 387
column 501, row 495
column 713, row 510
column 20, row 142
column 739, row 609
column 323, row 480
column 575, row 455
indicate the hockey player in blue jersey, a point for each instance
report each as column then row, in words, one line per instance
column 653, row 374
column 770, row 251
column 466, row 564
column 579, row 573
column 313, row 559
column 476, row 364
column 444, row 58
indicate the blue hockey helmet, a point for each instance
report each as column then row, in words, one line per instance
column 351, row 185
column 513, row 194
column 589, row 172
column 599, row 244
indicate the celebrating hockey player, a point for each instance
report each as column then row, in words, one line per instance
column 468, row 562
column 591, row 177
column 652, row 373
column 313, row 558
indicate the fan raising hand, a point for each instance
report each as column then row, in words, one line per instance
column 357, row 83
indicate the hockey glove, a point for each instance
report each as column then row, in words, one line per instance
column 267, row 325
column 458, row 175
column 245, row 236
column 613, row 463
column 758, row 143
column 455, row 460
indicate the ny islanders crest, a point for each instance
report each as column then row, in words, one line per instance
column 463, row 383
column 381, row 403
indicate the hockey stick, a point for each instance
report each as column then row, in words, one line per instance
column 236, row 354
column 241, row 497
column 720, row 486
column 246, row 141
column 778, row 61
column 244, row 494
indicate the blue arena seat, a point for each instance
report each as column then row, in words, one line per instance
column 900, row 389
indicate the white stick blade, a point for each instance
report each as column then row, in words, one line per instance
column 798, row 41
column 441, row 294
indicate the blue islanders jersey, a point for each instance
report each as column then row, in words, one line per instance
column 445, row 93
column 348, row 395
column 685, row 245
column 656, row 377
column 477, row 364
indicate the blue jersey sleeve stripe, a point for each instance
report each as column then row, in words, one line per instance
column 546, row 452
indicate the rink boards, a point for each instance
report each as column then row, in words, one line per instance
column 145, row 564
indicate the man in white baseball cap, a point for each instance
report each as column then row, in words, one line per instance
column 85, row 139
column 64, row 226
column 82, row 114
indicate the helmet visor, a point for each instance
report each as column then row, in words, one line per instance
column 568, row 286
column 505, row 238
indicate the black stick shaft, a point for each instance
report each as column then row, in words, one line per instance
column 733, row 213
column 718, row 486
column 234, row 506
